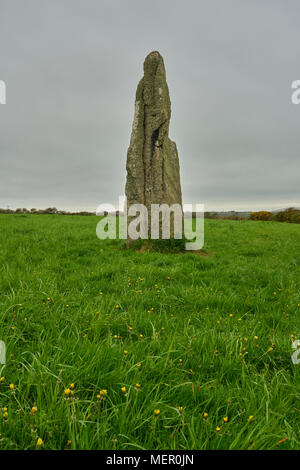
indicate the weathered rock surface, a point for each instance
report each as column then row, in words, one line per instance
column 153, row 175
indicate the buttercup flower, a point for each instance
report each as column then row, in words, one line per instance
column 39, row 442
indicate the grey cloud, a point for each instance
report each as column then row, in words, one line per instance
column 72, row 67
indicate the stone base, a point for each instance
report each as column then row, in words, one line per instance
column 160, row 246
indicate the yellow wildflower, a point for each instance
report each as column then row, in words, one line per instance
column 33, row 410
column 39, row 442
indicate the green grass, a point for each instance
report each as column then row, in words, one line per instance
column 199, row 316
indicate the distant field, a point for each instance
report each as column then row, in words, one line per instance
column 216, row 338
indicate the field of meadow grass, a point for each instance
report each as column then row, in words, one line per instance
column 109, row 348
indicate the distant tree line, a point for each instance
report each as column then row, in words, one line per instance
column 222, row 216
column 49, row 210
column 290, row 215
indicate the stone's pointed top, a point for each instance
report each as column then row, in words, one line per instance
column 153, row 60
column 153, row 55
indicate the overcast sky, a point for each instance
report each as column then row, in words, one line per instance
column 71, row 69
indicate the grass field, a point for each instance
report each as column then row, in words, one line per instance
column 198, row 334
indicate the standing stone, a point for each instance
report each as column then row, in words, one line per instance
column 153, row 175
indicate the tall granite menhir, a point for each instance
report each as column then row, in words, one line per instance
column 153, row 175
